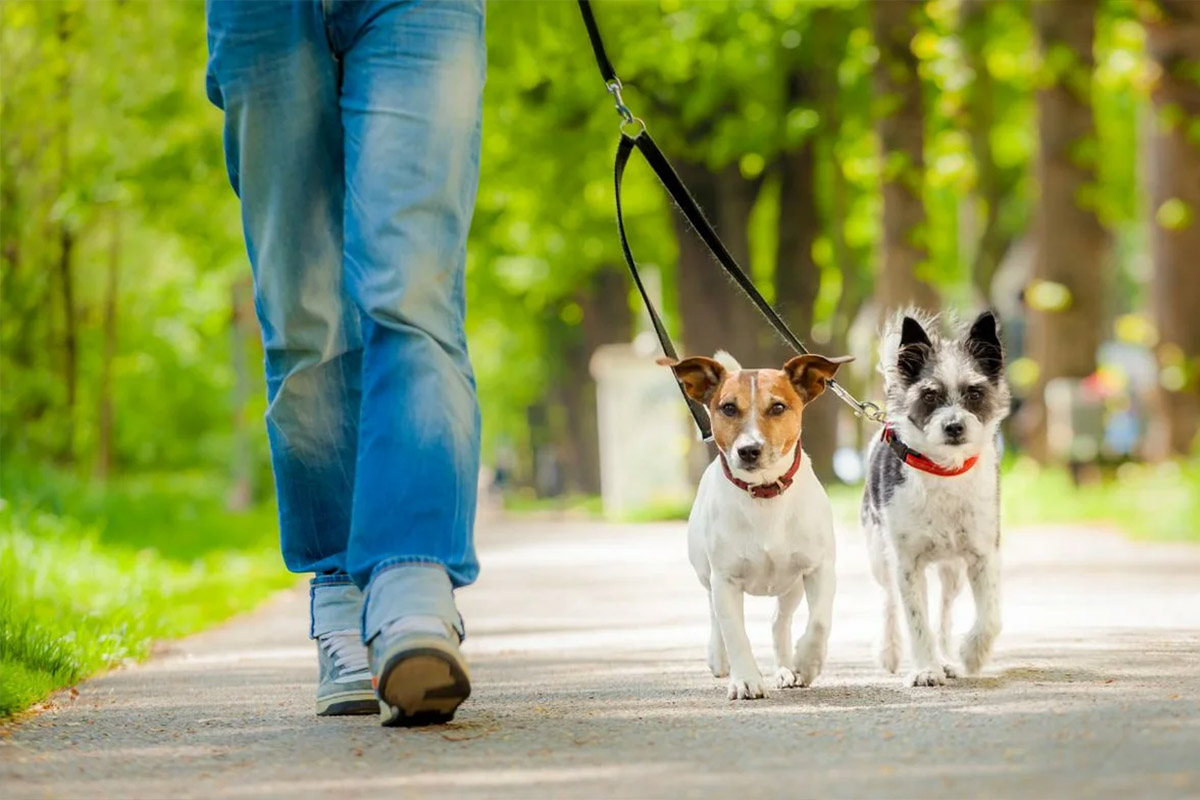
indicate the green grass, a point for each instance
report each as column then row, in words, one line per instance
column 91, row 576
column 1147, row 501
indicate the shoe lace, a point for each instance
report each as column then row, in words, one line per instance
column 349, row 655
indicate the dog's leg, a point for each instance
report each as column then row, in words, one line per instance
column 951, row 574
column 910, row 584
column 745, row 681
column 819, row 586
column 718, row 659
column 984, row 574
column 887, row 648
column 781, row 635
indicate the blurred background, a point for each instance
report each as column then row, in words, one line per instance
column 1042, row 158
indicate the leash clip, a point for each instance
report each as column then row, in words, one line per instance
column 872, row 412
column 631, row 126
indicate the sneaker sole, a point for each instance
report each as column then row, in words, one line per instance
column 348, row 704
column 422, row 685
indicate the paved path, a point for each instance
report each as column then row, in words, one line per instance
column 587, row 646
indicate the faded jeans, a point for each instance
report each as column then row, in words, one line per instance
column 352, row 135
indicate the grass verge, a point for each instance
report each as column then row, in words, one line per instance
column 90, row 576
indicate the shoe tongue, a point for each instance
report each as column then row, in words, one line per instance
column 417, row 623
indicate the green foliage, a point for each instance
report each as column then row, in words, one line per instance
column 1149, row 501
column 97, row 151
column 719, row 83
column 91, row 577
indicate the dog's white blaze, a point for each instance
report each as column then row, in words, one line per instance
column 750, row 434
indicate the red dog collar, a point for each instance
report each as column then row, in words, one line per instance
column 918, row 460
column 765, row 491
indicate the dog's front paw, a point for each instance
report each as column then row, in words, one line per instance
column 975, row 651
column 748, row 687
column 887, row 654
column 810, row 658
column 934, row 676
column 950, row 670
column 718, row 664
column 785, row 679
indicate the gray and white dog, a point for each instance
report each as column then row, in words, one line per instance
column 933, row 487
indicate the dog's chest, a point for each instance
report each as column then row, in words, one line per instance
column 767, row 556
column 943, row 517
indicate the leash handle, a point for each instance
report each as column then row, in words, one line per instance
column 634, row 135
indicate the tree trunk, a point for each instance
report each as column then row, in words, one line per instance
column 1173, row 42
column 1064, row 328
column 104, row 457
column 797, row 281
column 715, row 314
column 902, row 140
column 66, row 242
column 995, row 186
column 607, row 319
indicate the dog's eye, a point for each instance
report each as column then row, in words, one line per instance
column 974, row 392
column 776, row 409
column 929, row 395
column 729, row 409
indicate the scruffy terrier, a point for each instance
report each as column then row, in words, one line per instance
column 933, row 488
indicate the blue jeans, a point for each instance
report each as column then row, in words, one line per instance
column 352, row 135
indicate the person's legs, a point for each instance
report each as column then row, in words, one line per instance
column 272, row 71
column 411, row 103
column 411, row 93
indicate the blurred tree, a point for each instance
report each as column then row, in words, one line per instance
column 1173, row 42
column 85, row 145
column 1065, row 295
column 901, row 124
column 64, row 25
column 985, row 27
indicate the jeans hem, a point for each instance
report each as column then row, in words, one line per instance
column 335, row 604
column 407, row 586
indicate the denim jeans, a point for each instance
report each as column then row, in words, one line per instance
column 352, row 136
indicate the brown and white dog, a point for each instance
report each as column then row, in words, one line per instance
column 761, row 523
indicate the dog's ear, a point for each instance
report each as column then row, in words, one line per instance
column 983, row 344
column 915, row 349
column 809, row 373
column 699, row 376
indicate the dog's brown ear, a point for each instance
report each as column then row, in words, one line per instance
column 809, row 373
column 700, row 376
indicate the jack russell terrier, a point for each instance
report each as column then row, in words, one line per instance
column 933, row 488
column 761, row 523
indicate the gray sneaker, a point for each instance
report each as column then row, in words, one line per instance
column 345, row 684
column 420, row 675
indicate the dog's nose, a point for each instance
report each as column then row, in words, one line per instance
column 954, row 430
column 750, row 453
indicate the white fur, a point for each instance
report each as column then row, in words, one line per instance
column 781, row 547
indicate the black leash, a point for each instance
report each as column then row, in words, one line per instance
column 635, row 136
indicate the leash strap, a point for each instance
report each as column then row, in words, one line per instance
column 635, row 136
column 589, row 20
